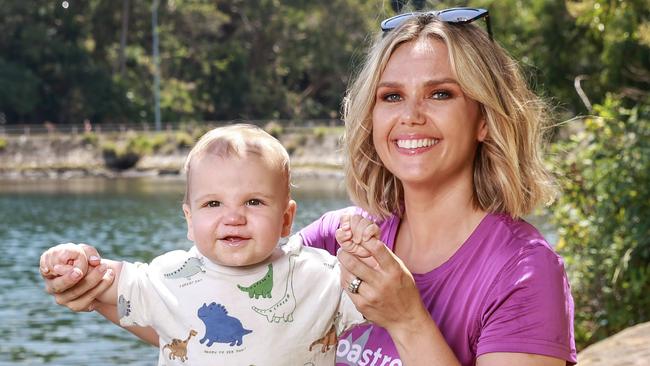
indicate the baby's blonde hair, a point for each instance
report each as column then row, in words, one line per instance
column 509, row 174
column 239, row 140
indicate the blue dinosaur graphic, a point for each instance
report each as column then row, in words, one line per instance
column 190, row 267
column 220, row 327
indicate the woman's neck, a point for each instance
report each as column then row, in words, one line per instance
column 435, row 224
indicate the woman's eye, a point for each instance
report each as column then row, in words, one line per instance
column 391, row 97
column 253, row 202
column 441, row 94
column 213, row 204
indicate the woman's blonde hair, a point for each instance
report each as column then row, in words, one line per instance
column 509, row 174
column 241, row 141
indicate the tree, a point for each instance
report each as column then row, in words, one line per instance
column 602, row 218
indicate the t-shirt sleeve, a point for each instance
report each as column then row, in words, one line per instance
column 142, row 297
column 133, row 294
column 529, row 308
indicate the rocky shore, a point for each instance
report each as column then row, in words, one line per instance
column 630, row 347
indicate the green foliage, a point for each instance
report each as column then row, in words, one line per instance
column 274, row 129
column 220, row 60
column 3, row 143
column 122, row 155
column 90, row 138
column 556, row 41
column 603, row 218
column 236, row 59
column 119, row 157
column 146, row 143
column 183, row 140
column 320, row 132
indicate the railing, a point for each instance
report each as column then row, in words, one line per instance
column 51, row 128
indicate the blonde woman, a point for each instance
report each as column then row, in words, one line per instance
column 443, row 143
column 443, row 151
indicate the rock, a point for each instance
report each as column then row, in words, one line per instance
column 630, row 347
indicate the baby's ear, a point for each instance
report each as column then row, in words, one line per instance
column 188, row 219
column 287, row 218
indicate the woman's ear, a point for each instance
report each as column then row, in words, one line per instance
column 482, row 129
column 188, row 219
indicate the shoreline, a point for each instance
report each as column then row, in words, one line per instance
column 326, row 172
column 314, row 152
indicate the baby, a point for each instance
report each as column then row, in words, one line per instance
column 236, row 297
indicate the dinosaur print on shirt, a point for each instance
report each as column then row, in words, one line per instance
column 192, row 266
column 221, row 327
column 262, row 287
column 284, row 308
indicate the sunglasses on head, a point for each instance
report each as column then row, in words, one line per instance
column 453, row 16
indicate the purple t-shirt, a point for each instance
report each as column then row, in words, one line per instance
column 504, row 290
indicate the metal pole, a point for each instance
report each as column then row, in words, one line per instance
column 156, row 63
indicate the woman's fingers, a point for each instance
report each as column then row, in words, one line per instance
column 85, row 285
column 84, row 301
column 58, row 284
column 385, row 258
column 357, row 267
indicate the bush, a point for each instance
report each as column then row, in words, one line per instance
column 320, row 133
column 3, row 144
column 119, row 158
column 90, row 138
column 603, row 222
column 274, row 129
column 143, row 144
column 183, row 140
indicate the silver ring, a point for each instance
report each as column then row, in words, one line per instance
column 353, row 287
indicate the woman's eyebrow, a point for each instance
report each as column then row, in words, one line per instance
column 441, row 81
column 389, row 84
column 432, row 82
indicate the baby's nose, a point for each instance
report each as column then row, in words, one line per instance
column 235, row 217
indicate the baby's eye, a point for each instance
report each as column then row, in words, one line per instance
column 441, row 94
column 212, row 204
column 253, row 202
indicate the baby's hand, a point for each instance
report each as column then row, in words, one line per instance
column 353, row 233
column 63, row 258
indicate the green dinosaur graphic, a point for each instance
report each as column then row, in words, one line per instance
column 262, row 287
column 283, row 309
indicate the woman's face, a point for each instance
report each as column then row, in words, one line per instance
column 424, row 128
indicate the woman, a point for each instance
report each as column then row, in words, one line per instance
column 443, row 151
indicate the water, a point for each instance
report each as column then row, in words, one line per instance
column 130, row 219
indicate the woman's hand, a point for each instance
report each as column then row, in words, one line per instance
column 74, row 277
column 387, row 295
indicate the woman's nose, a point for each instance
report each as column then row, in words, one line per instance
column 412, row 113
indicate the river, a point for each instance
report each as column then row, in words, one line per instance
column 129, row 219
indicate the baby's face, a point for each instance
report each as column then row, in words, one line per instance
column 238, row 209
